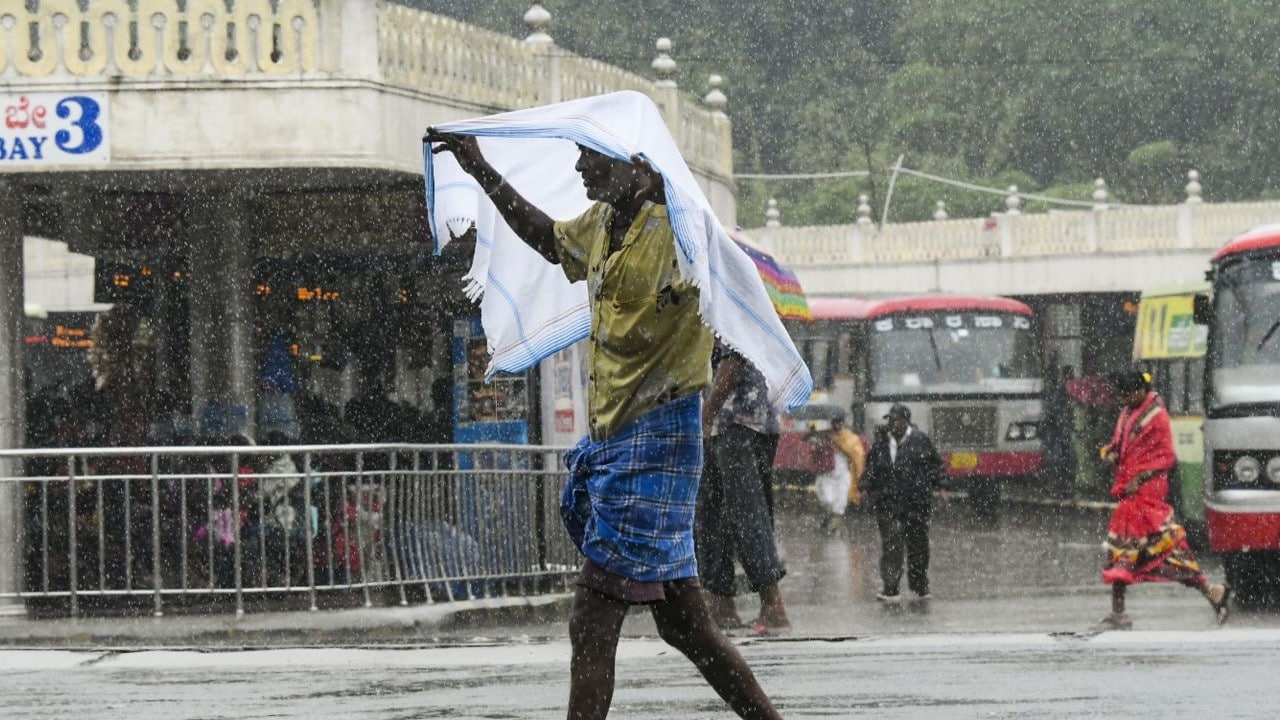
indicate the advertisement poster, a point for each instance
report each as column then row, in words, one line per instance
column 564, row 396
column 492, row 411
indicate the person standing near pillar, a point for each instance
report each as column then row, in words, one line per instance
column 734, row 520
column 120, row 412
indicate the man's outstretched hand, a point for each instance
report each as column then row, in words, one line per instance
column 465, row 149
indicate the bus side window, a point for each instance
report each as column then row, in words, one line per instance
column 1177, row 396
column 1195, row 386
column 844, row 354
column 819, row 354
column 1160, row 381
column 842, row 364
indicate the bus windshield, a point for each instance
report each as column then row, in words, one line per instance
column 1246, row 358
column 961, row 353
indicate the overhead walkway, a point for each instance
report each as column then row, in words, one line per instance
column 1093, row 250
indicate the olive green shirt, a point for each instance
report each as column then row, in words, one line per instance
column 648, row 344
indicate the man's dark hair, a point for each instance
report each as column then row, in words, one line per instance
column 1129, row 380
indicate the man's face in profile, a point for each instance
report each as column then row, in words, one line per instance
column 607, row 180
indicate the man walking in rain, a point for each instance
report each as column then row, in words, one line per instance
column 903, row 470
column 631, row 498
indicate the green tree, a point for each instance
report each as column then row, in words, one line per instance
column 1038, row 93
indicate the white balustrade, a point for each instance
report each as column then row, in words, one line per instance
column 157, row 38
column 1118, row 229
column 445, row 57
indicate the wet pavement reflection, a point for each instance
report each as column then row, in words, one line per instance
column 1027, row 568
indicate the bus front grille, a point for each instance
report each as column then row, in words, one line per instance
column 964, row 427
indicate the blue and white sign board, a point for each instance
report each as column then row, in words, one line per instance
column 47, row 129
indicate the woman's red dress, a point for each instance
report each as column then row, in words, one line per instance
column 1144, row 543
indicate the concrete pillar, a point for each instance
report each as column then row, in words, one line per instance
column 349, row 37
column 666, row 93
column 12, row 392
column 858, row 242
column 1092, row 230
column 1186, row 225
column 1004, row 223
column 223, row 361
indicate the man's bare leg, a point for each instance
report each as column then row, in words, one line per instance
column 594, row 627
column 685, row 623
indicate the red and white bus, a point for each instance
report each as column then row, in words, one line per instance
column 967, row 366
column 1242, row 412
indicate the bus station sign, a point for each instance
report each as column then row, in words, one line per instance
column 47, row 129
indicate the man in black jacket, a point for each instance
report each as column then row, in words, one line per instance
column 903, row 469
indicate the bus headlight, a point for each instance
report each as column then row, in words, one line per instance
column 1273, row 470
column 1247, row 469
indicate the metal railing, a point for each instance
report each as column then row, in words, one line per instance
column 291, row 525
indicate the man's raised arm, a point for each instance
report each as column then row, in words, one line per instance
column 533, row 226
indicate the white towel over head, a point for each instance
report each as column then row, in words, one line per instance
column 528, row 308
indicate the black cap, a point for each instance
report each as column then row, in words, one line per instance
column 1126, row 381
column 898, row 411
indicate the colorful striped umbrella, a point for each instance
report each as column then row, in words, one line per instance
column 784, row 289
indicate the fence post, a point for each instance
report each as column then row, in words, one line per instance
column 11, row 393
column 238, row 555
column 309, row 533
column 157, row 584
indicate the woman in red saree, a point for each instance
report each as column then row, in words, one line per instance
column 1144, row 542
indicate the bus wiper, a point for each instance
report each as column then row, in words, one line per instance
column 1274, row 326
column 937, row 358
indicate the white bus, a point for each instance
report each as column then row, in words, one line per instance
column 967, row 366
column 1242, row 412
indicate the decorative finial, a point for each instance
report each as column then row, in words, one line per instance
column 663, row 66
column 941, row 212
column 772, row 218
column 715, row 99
column 1193, row 188
column 1013, row 203
column 537, row 18
column 864, row 210
column 1099, row 194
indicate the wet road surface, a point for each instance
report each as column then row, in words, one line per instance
column 1008, row 633
column 1031, row 568
column 1191, row 675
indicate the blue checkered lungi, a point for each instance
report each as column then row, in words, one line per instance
column 630, row 500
